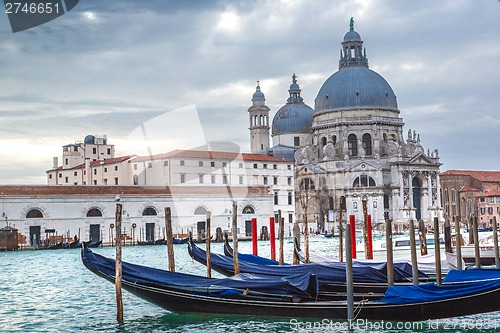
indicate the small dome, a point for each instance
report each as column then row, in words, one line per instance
column 352, row 36
column 293, row 118
column 258, row 95
column 89, row 139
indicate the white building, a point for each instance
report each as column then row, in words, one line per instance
column 39, row 212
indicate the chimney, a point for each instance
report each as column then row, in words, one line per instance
column 55, row 163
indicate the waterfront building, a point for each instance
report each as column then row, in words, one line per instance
column 471, row 193
column 88, row 212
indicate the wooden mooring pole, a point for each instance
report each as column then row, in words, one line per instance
column 341, row 233
column 437, row 251
column 296, row 238
column 118, row 267
column 477, row 253
column 458, row 242
column 235, row 239
column 413, row 249
column 207, row 244
column 169, row 239
column 390, row 257
column 422, row 231
column 495, row 242
column 348, row 270
column 281, row 229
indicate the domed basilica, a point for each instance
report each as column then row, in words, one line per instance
column 351, row 153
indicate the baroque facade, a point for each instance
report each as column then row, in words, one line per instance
column 351, row 152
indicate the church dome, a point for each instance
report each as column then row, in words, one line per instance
column 295, row 116
column 355, row 85
column 89, row 139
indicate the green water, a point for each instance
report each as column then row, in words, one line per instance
column 51, row 291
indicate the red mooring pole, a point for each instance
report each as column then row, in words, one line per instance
column 352, row 225
column 272, row 238
column 370, row 238
column 254, row 236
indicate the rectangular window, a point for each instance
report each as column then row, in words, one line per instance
column 66, row 161
column 289, row 167
column 241, row 180
column 105, row 169
column 150, row 165
column 95, row 171
column 289, row 181
column 265, row 180
column 483, row 210
column 135, row 166
column 116, row 181
column 224, row 164
column 66, row 179
column 264, row 166
column 75, row 183
column 165, row 163
column 50, row 176
column 255, row 165
column 213, row 179
column 275, row 166
column 182, row 162
column 224, row 179
column 75, row 173
column 200, row 163
column 296, row 141
column 75, row 148
column 490, row 210
column 290, row 219
column 481, row 199
column 200, row 178
column 275, row 180
column 241, row 165
column 109, row 151
column 212, row 164
column 95, row 182
column 183, row 178
column 105, row 181
column 94, row 150
column 116, row 167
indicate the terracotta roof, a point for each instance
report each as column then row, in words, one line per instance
column 110, row 160
column 491, row 194
column 29, row 190
column 485, row 176
column 212, row 155
column 469, row 189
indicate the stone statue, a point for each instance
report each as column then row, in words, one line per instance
column 351, row 23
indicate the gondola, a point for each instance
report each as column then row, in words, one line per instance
column 368, row 277
column 185, row 293
column 176, row 240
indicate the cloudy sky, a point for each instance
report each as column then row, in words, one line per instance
column 108, row 67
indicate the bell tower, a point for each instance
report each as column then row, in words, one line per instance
column 259, row 122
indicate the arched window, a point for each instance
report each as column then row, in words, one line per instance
column 248, row 210
column 136, row 180
column 323, row 141
column 364, row 181
column 149, row 211
column 290, row 198
column 307, row 184
column 330, row 203
column 352, row 144
column 34, row 214
column 275, row 198
column 200, row 211
column 94, row 212
column 367, row 144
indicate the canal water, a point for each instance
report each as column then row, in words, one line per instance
column 51, row 291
